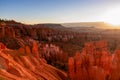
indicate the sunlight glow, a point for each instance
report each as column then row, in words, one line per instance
column 113, row 16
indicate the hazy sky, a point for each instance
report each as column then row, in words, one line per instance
column 45, row 11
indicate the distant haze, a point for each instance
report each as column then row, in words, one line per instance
column 88, row 24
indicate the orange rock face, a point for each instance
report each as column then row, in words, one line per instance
column 27, row 50
column 17, row 66
column 2, row 46
column 93, row 63
column 71, row 68
column 35, row 49
column 115, row 66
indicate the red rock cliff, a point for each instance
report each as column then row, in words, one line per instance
column 94, row 62
column 19, row 65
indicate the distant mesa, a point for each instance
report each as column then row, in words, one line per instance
column 100, row 25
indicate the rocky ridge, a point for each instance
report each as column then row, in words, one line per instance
column 94, row 62
column 20, row 65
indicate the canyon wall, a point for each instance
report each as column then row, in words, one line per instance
column 23, row 64
column 94, row 62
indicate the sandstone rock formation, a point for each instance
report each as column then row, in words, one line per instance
column 94, row 62
column 15, row 65
column 35, row 49
column 2, row 26
column 10, row 32
column 54, row 55
column 115, row 65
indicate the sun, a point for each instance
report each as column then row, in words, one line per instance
column 113, row 16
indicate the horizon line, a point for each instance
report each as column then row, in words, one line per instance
column 68, row 22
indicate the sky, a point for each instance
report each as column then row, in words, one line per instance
column 60, row 11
